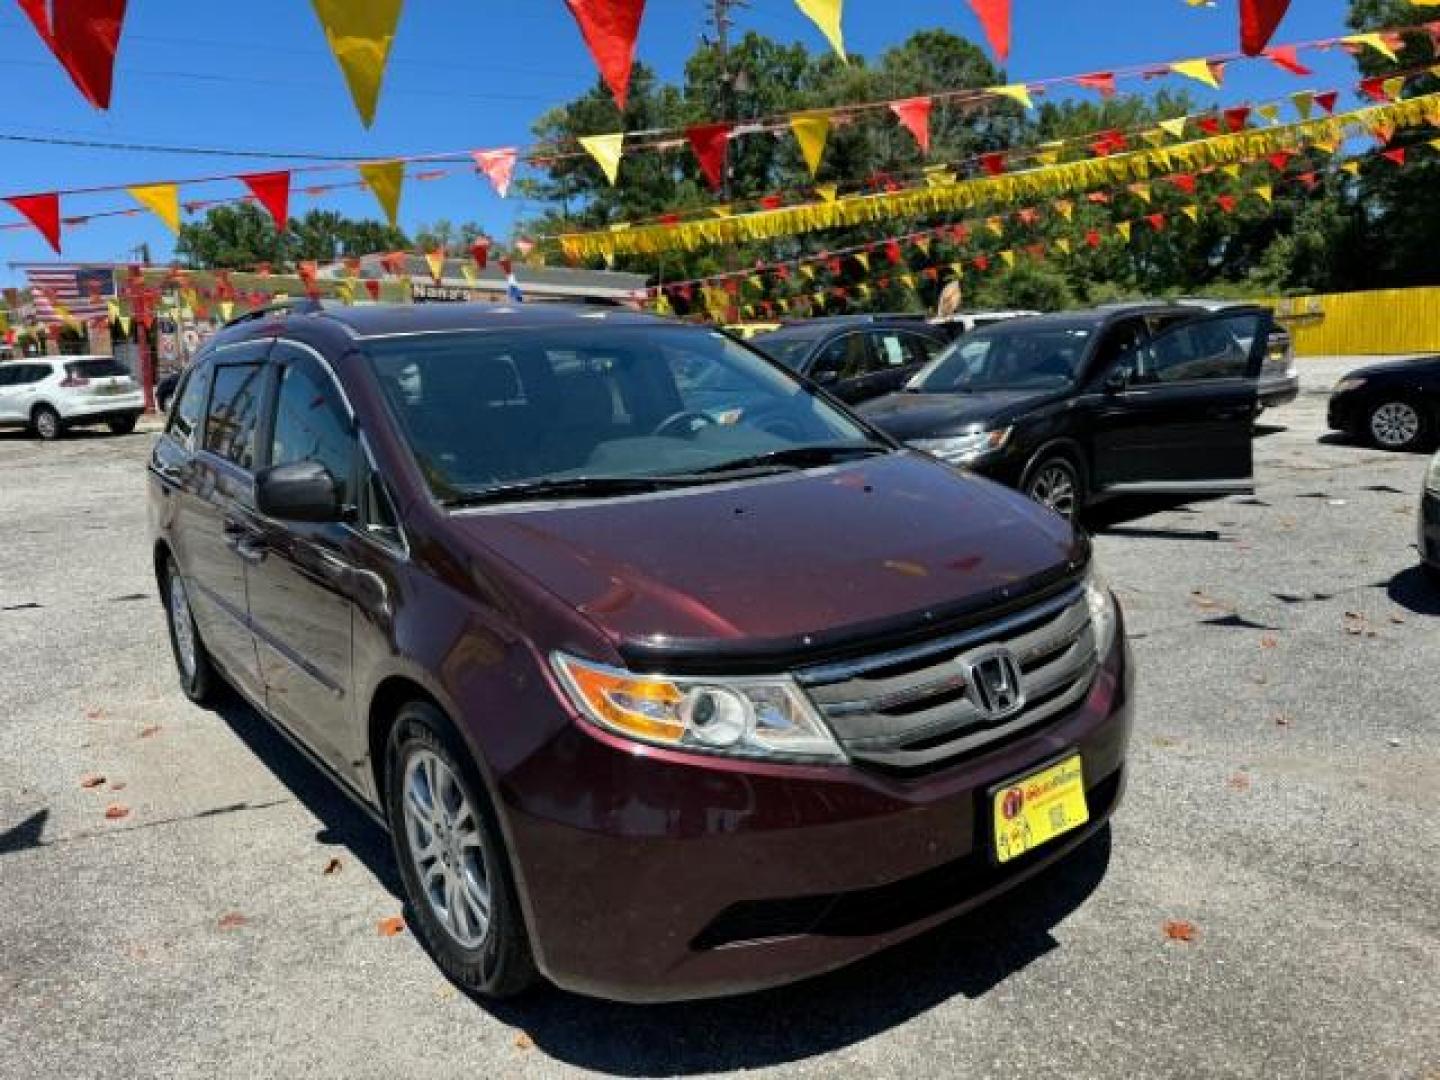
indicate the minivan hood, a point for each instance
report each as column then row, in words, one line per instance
column 782, row 563
column 909, row 415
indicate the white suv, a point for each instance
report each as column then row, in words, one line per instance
column 51, row 393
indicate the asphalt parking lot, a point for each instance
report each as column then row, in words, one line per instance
column 1283, row 815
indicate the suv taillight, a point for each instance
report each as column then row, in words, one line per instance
column 72, row 382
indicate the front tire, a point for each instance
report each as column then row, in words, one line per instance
column 122, row 425
column 462, row 897
column 1056, row 482
column 198, row 677
column 1397, row 424
column 45, row 422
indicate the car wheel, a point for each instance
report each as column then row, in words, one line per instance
column 1056, row 482
column 123, row 425
column 462, row 898
column 1396, row 424
column 198, row 677
column 46, row 423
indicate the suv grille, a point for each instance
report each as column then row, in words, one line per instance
column 914, row 709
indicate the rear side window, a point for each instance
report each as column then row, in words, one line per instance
column 234, row 407
column 188, row 412
column 95, row 369
column 22, row 374
column 1209, row 348
column 310, row 425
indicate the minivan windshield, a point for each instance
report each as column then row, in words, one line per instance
column 599, row 410
column 1031, row 356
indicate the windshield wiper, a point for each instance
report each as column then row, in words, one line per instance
column 798, row 457
column 568, row 487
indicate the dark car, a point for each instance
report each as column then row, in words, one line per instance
column 572, row 638
column 1395, row 406
column 855, row 357
column 1279, row 382
column 1429, row 538
column 1070, row 408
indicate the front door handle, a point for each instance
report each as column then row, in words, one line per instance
column 245, row 542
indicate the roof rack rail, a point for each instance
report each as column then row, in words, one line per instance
column 304, row 306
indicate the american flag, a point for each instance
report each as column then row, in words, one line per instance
column 80, row 290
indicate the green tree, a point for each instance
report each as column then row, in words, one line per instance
column 231, row 237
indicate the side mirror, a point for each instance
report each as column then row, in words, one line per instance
column 1117, row 380
column 300, row 491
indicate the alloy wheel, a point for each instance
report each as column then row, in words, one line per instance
column 446, row 848
column 1395, row 424
column 47, row 424
column 1054, row 486
column 183, row 623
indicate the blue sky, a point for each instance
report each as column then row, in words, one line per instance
column 472, row 74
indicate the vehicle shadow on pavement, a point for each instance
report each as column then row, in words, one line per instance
column 969, row 956
column 1415, row 591
column 345, row 823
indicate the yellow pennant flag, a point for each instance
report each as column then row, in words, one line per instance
column 1192, row 212
column 435, row 260
column 908, row 280
column 227, row 309
column 723, row 210
column 385, row 179
column 826, row 14
column 1434, row 144
column 863, row 259
column 756, row 282
column 125, row 324
column 1271, row 113
column 1232, row 170
column 1065, row 208
column 1063, row 243
column 1266, row 192
column 606, row 150
column 939, row 176
column 1352, row 167
column 1153, row 137
column 1393, row 87
column 346, row 292
column 1141, row 192
column 1304, row 102
column 1123, row 228
column 807, row 271
column 1175, row 126
column 360, row 33
column 471, row 277
column 995, row 225
column 1047, row 157
column 811, row 130
column 828, row 192
column 1376, row 42
column 112, row 309
column 1199, row 70
column 1008, row 256
column 163, row 200
column 1015, row 92
column 863, row 290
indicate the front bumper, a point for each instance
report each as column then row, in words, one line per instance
column 662, row 877
column 1429, row 529
column 1344, row 412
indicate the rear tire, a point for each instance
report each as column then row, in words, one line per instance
column 463, row 904
column 45, row 422
column 1397, row 424
column 1057, row 483
column 123, row 425
column 198, row 677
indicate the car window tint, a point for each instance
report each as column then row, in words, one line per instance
column 919, row 349
column 234, row 407
column 1119, row 345
column 9, row 373
column 96, row 369
column 1213, row 348
column 189, row 409
column 846, row 358
column 311, row 425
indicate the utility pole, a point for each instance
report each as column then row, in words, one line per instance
column 721, row 20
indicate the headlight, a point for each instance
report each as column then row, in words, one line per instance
column 1103, row 616
column 768, row 718
column 959, row 449
column 1432, row 475
column 1350, row 382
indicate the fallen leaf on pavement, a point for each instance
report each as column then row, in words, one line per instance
column 115, row 811
column 232, row 920
column 1239, row 782
column 1179, row 930
column 524, row 1042
column 1398, row 620
column 146, row 732
column 1268, row 642
column 391, row 926
column 1283, row 720
column 118, row 785
column 95, row 714
column 91, row 780
column 332, row 867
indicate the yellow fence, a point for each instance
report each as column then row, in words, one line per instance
column 1385, row 321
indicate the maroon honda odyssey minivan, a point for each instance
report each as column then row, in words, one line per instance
column 668, row 676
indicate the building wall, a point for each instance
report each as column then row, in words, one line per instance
column 1381, row 322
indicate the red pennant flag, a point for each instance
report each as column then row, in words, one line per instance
column 834, row 265
column 708, row 141
column 982, row 262
column 1157, row 222
column 960, row 232
column 1327, row 99
column 1309, row 179
column 1102, row 81
column 1258, row 20
column 993, row 162
column 83, row 35
column 1279, row 159
column 610, row 28
column 914, row 113
column 506, row 265
column 372, row 286
column 1236, row 117
column 1374, row 88
column 272, row 189
column 1397, row 155
column 1287, row 58
column 994, row 16
column 669, row 220
column 1227, row 203
column 1092, row 237
column 772, row 202
column 499, row 166
column 932, row 273
column 892, row 252
column 42, row 211
column 1209, row 125
column 1184, row 181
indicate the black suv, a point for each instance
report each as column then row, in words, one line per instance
column 855, row 357
column 1069, row 408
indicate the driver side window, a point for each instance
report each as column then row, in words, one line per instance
column 311, row 425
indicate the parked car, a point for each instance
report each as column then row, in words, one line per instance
column 964, row 322
column 1395, row 406
column 747, row 330
column 1279, row 377
column 1080, row 406
column 576, row 644
column 855, row 357
column 1429, row 539
column 50, row 394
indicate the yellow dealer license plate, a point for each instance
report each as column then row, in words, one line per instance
column 1039, row 807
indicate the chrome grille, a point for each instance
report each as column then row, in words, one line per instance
column 911, row 709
